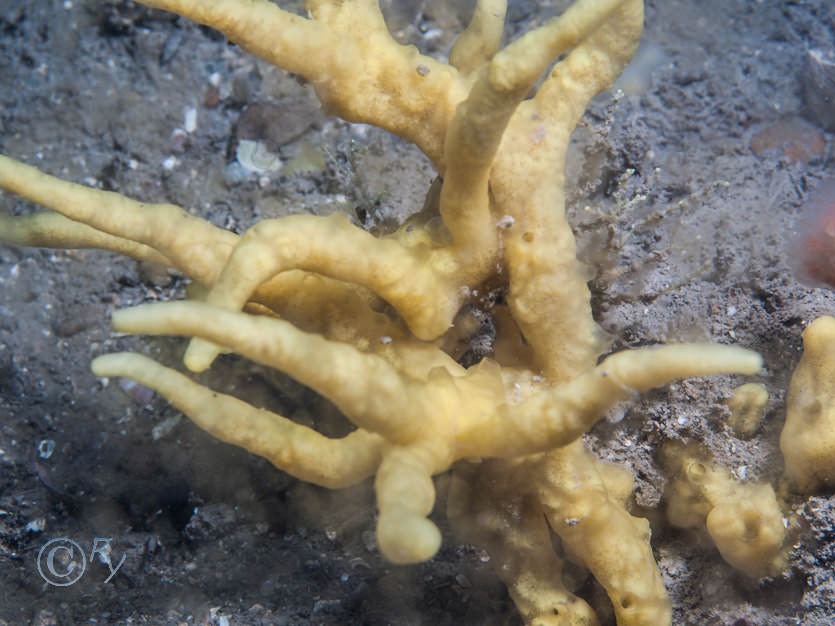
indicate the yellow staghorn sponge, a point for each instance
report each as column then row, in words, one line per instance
column 364, row 320
column 583, row 502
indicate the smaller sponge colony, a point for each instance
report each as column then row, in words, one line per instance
column 747, row 407
column 808, row 437
column 743, row 519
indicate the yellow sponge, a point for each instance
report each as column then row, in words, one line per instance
column 747, row 409
column 743, row 519
column 808, row 437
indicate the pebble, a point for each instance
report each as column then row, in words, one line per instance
column 819, row 87
column 791, row 138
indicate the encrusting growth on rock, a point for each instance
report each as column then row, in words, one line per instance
column 308, row 295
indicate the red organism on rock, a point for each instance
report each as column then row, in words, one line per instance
column 812, row 247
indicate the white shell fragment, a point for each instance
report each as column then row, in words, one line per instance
column 190, row 122
column 255, row 157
